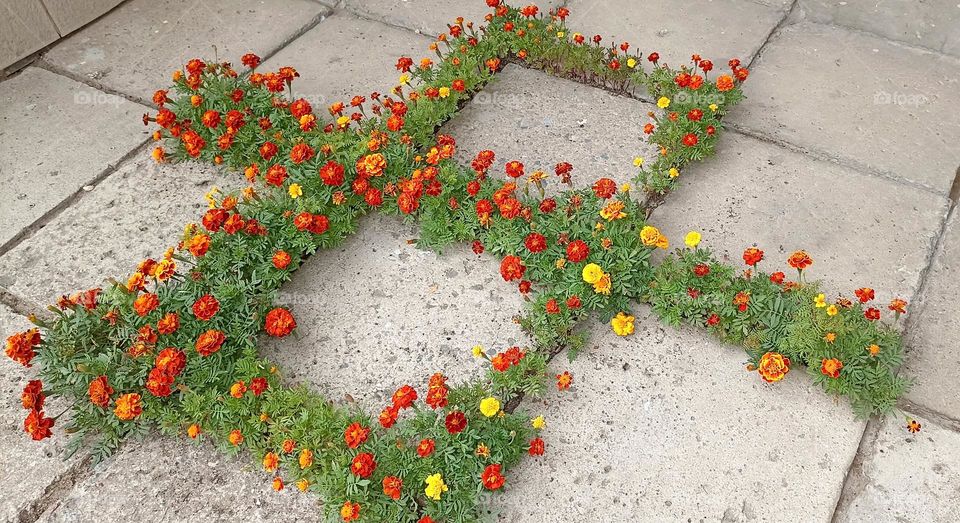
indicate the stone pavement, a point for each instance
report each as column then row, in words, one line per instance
column 846, row 147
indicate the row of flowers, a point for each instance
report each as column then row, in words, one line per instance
column 174, row 346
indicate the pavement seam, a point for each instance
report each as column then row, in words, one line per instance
column 784, row 21
column 28, row 231
column 42, row 63
column 23, row 306
column 373, row 17
column 856, row 480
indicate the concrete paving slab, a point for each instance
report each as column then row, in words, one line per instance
column 30, row 471
column 329, row 73
column 934, row 24
column 542, row 120
column 56, row 135
column 134, row 49
column 24, row 30
column 935, row 333
column 666, row 425
column 165, row 479
column 862, row 231
column 866, row 101
column 377, row 313
column 136, row 212
column 430, row 17
column 716, row 29
column 908, row 477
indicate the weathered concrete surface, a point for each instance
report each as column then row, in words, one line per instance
column 934, row 24
column 136, row 212
column 377, row 313
column 134, row 50
column 716, row 29
column 24, row 31
column 56, row 136
column 330, row 73
column 863, row 100
column 860, row 230
column 430, row 17
column 932, row 347
column 667, row 425
column 165, row 479
column 542, row 120
column 908, row 477
column 40, row 463
column 70, row 15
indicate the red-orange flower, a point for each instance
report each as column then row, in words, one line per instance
column 363, row 465
column 564, row 380
column 800, row 260
column 425, row 447
column 512, row 268
column 752, row 256
column 536, row 447
column 281, row 259
column 350, row 511
column 492, row 478
column 20, row 346
column 898, row 306
column 279, row 322
column 100, row 391
column 235, row 437
column 128, row 406
column 872, row 314
column 437, row 391
column 205, row 307
column 773, row 367
column 32, row 396
column 864, row 294
column 392, row 486
column 145, row 304
column 171, row 361
column 404, row 397
column 724, row 83
column 831, row 367
column 605, row 188
column 355, row 435
column 209, row 342
column 332, row 173
column 535, row 242
column 37, row 425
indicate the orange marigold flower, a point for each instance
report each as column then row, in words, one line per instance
column 37, row 425
column 238, row 389
column 235, row 437
column 205, row 307
column 864, row 294
column 169, row 323
column 145, row 304
column 100, row 391
column 872, row 314
column 210, row 342
column 193, row 431
column 363, row 465
column 913, row 425
column 279, row 322
column 455, row 422
column 277, row 484
column 392, row 486
column 404, row 397
column 288, row 446
column 425, row 447
column 752, row 256
column 128, row 406
column 20, row 346
column 350, row 511
column 898, row 306
column 536, row 447
column 512, row 268
column 355, row 435
column 831, row 367
column 773, row 367
column 724, row 83
column 281, row 259
column 605, row 188
column 199, row 245
column 873, row 349
column 492, row 478
column 32, row 396
column 306, row 458
column 800, row 260
column 564, row 380
column 271, row 461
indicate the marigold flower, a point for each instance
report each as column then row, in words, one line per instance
column 831, row 367
column 622, row 324
column 663, row 102
column 425, row 447
column 777, row 277
column 577, row 251
column 830, row 337
column 898, row 306
column 800, row 260
column 724, row 83
column 605, row 188
column 649, row 235
column 32, row 396
column 392, row 486
column 564, row 380
column 20, row 346
column 209, row 342
column 404, row 397
column 752, row 256
column 303, row 485
column 832, row 310
column 100, row 391
column 271, row 461
column 773, row 367
column 692, row 239
column 128, row 406
column 491, row 478
column 279, row 322
column 305, row 459
column 489, row 407
column 538, row 423
column 145, row 304
column 592, row 273
column 288, row 445
column 193, row 431
column 355, row 435
column 512, row 268
column 913, row 425
column 205, row 307
column 872, row 314
column 435, row 486
column 820, row 301
column 455, row 422
column 350, row 511
column 603, row 285
column 537, row 447
column 37, row 425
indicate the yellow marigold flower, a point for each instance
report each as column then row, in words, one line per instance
column 714, row 107
column 303, row 485
column 613, row 211
column 599, row 226
column 820, row 301
column 663, row 102
column 489, row 407
column 404, row 79
column 603, row 285
column 478, row 351
column 832, row 310
column 444, row 92
column 592, row 273
column 663, row 242
column 560, row 34
column 435, row 486
column 692, row 239
column 295, row 190
column 638, row 161
column 343, row 120
column 830, row 337
column 483, row 450
column 622, row 324
column 306, row 458
column 631, row 62
column 873, row 349
column 649, row 235
column 673, row 172
column 538, row 422
column 625, row 187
